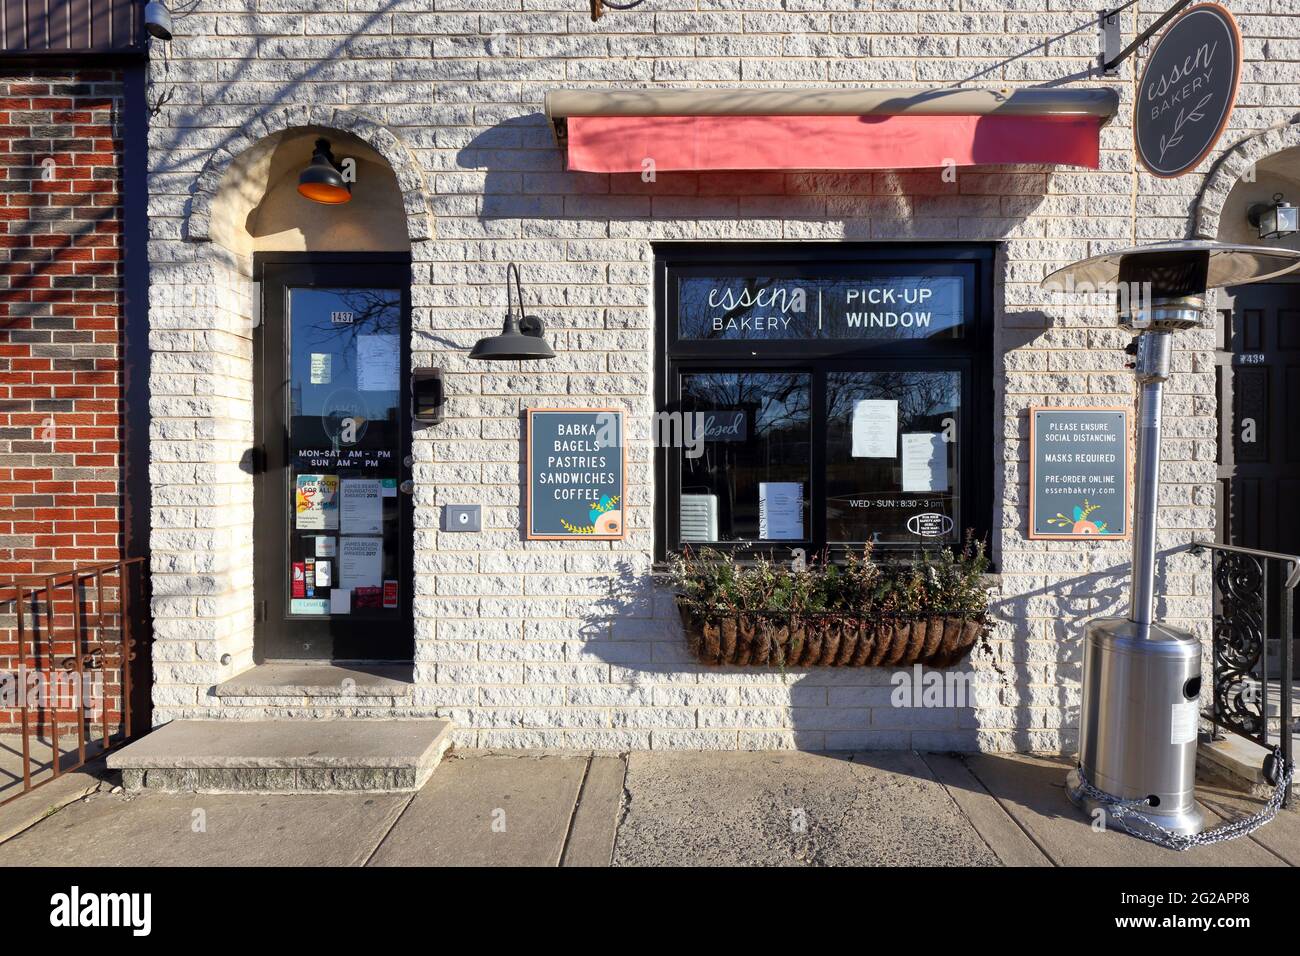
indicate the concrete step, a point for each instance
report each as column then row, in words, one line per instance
column 284, row 756
column 288, row 690
column 1239, row 762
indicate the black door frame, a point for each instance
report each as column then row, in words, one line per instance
column 273, row 274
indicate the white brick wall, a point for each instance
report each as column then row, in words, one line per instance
column 569, row 645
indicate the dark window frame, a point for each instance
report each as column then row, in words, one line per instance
column 971, row 354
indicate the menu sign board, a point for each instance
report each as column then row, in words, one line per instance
column 576, row 467
column 1078, row 472
column 1187, row 90
column 741, row 308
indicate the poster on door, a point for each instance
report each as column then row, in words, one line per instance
column 361, row 509
column 316, row 504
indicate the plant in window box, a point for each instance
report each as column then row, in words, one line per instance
column 862, row 613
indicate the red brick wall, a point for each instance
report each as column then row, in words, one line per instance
column 60, row 307
column 60, row 313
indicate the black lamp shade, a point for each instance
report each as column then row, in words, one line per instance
column 321, row 181
column 1278, row 221
column 158, row 20
column 513, row 344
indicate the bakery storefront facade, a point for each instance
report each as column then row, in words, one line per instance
column 776, row 291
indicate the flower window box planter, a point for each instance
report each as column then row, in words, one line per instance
column 785, row 639
column 857, row 612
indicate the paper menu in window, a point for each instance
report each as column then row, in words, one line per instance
column 361, row 563
column 780, row 510
column 875, row 428
column 377, row 363
column 321, row 365
column 925, row 462
column 361, row 509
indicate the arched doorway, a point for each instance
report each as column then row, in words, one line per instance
column 329, row 293
column 1257, row 342
column 1257, row 365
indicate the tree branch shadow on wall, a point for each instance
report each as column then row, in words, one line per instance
column 636, row 630
column 160, row 92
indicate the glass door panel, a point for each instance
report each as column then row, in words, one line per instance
column 344, row 453
column 333, row 505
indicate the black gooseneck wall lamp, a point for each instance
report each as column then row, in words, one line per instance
column 158, row 20
column 521, row 339
column 322, row 181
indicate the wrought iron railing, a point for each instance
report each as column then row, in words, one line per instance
column 66, row 649
column 1254, row 614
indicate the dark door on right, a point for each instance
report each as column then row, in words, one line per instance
column 1258, row 372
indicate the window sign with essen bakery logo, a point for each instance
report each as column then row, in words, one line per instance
column 840, row 307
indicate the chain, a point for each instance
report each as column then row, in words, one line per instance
column 1130, row 818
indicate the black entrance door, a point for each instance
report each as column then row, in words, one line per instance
column 332, row 499
column 1259, row 433
column 1258, row 359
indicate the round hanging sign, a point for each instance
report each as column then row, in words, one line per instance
column 1187, row 90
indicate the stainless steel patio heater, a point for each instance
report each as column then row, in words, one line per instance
column 1142, row 678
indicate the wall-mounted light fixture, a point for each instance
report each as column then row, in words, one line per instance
column 427, row 395
column 598, row 7
column 322, row 181
column 158, row 20
column 1276, row 219
column 521, row 339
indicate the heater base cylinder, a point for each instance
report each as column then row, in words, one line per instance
column 1187, row 823
column 1139, row 719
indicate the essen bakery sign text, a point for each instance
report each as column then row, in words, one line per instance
column 1187, row 90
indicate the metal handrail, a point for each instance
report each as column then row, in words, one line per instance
column 24, row 589
column 32, row 583
column 1222, row 719
column 1196, row 547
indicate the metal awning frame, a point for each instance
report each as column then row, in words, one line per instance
column 1101, row 102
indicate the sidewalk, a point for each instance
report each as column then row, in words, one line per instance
column 644, row 808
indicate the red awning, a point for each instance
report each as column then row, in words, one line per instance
column 876, row 129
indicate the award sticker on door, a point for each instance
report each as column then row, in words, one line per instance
column 390, row 594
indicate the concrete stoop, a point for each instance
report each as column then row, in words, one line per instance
column 319, row 691
column 284, row 756
column 1238, row 762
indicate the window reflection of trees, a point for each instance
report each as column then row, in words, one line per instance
column 920, row 395
column 374, row 312
column 924, row 400
column 777, row 403
column 779, row 408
